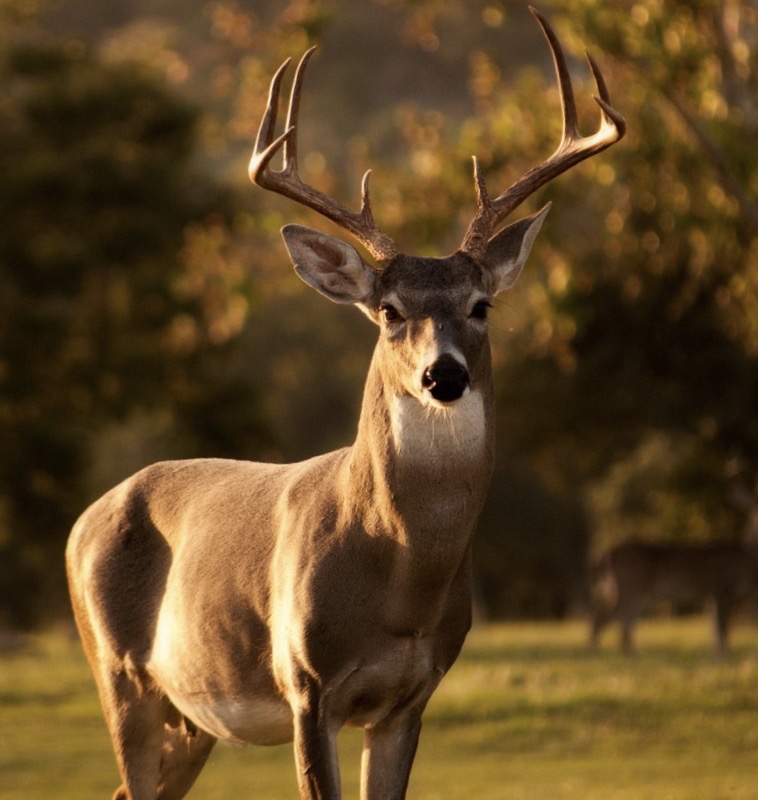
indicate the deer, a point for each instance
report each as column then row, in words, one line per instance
column 634, row 573
column 262, row 603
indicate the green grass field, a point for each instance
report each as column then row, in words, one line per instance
column 526, row 713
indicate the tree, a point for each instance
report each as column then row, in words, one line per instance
column 118, row 283
column 632, row 333
column 635, row 321
column 646, row 330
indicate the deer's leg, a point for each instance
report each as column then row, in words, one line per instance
column 184, row 754
column 135, row 715
column 628, row 617
column 157, row 761
column 600, row 619
column 722, row 612
column 627, row 636
column 315, row 744
column 136, row 720
column 388, row 752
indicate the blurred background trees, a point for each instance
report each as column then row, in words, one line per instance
column 148, row 309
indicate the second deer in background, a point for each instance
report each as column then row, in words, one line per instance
column 629, row 577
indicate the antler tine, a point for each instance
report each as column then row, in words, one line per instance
column 293, row 111
column 265, row 145
column 287, row 181
column 482, row 197
column 568, row 104
column 572, row 149
column 366, row 210
column 610, row 116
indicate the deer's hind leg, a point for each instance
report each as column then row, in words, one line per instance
column 159, row 755
column 135, row 716
column 136, row 720
column 601, row 618
column 184, row 755
column 722, row 608
column 628, row 614
column 625, row 614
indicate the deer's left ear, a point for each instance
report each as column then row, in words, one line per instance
column 507, row 251
column 329, row 265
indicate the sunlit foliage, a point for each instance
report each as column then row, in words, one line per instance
column 148, row 312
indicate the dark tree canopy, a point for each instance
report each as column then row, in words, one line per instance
column 148, row 310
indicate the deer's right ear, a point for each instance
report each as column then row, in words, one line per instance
column 329, row 265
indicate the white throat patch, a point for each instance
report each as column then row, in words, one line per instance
column 421, row 432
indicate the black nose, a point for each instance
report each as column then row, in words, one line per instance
column 446, row 380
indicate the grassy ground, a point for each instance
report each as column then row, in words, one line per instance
column 526, row 713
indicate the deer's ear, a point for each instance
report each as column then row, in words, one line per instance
column 507, row 251
column 329, row 265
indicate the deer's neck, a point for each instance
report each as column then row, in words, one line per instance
column 426, row 470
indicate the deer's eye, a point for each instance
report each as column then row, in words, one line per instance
column 390, row 313
column 480, row 310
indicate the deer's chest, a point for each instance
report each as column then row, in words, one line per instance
column 375, row 652
column 377, row 673
column 399, row 674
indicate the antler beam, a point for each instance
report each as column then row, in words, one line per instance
column 287, row 181
column 572, row 149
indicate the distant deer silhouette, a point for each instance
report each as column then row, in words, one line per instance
column 628, row 577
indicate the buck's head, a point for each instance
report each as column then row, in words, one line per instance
column 432, row 311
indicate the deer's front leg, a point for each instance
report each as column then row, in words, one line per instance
column 388, row 752
column 315, row 744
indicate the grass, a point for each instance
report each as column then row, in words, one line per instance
column 526, row 713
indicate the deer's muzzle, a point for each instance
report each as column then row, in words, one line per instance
column 446, row 380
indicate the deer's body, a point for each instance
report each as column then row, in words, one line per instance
column 219, row 570
column 383, row 540
column 635, row 574
column 261, row 603
column 240, row 594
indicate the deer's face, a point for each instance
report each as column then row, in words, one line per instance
column 432, row 312
column 432, row 315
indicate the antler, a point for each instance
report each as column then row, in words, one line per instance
column 287, row 182
column 572, row 149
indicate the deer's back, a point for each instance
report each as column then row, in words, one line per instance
column 204, row 522
column 680, row 571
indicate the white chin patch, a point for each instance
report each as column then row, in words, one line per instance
column 432, row 429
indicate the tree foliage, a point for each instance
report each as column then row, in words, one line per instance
column 651, row 313
column 147, row 311
column 106, row 312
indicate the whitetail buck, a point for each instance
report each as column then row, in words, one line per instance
column 261, row 603
column 628, row 577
